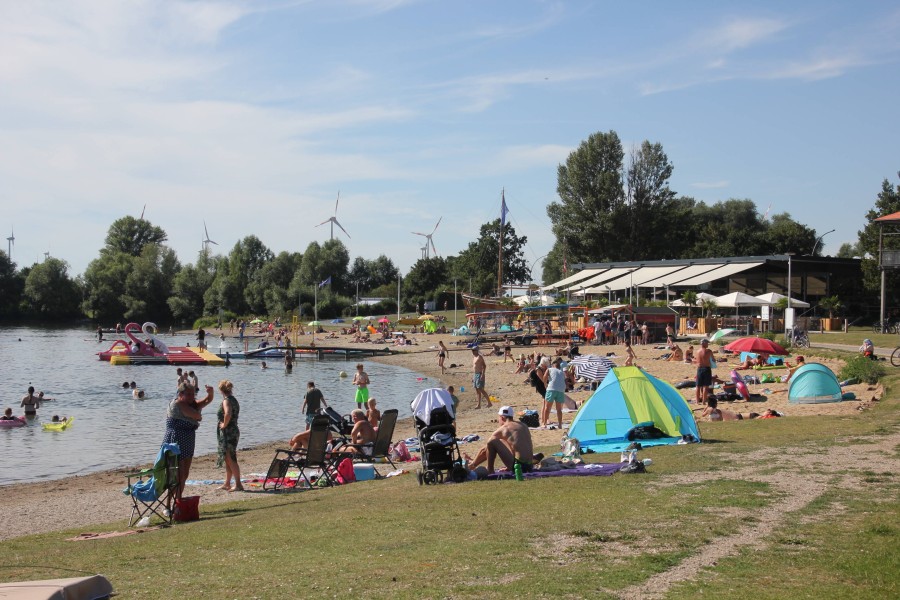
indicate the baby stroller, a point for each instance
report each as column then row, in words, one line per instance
column 339, row 424
column 433, row 413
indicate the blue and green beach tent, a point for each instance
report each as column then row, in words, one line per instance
column 627, row 397
column 813, row 384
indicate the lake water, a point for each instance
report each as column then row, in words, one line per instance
column 113, row 430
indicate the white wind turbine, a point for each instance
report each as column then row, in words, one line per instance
column 206, row 240
column 10, row 242
column 333, row 220
column 428, row 240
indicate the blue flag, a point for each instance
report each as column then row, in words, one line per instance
column 503, row 212
column 326, row 282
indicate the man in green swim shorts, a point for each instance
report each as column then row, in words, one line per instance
column 361, row 381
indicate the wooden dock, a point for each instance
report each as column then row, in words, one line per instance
column 339, row 352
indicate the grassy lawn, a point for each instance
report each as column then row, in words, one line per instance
column 855, row 337
column 798, row 528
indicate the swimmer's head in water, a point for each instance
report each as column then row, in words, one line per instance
column 140, row 393
column 55, row 419
column 124, row 385
column 132, row 385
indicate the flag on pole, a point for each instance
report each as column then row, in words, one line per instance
column 503, row 211
column 326, row 282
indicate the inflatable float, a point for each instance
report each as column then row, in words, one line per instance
column 150, row 350
column 58, row 426
column 742, row 388
column 14, row 422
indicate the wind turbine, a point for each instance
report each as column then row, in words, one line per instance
column 46, row 255
column 428, row 240
column 206, row 240
column 10, row 242
column 142, row 213
column 333, row 220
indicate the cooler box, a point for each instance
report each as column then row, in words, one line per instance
column 364, row 472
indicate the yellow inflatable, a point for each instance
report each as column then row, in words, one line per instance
column 58, row 426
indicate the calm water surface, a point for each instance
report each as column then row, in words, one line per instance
column 113, row 430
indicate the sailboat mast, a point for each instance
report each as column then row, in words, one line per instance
column 500, row 261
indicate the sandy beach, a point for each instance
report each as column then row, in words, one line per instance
column 97, row 498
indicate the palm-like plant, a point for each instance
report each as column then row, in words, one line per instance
column 831, row 304
column 709, row 306
column 690, row 300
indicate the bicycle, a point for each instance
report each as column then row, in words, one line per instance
column 800, row 339
column 885, row 327
column 895, row 357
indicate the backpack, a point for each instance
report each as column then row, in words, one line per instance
column 633, row 467
column 345, row 472
column 530, row 419
column 400, row 452
column 571, row 447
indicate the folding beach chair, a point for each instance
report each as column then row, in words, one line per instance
column 315, row 456
column 381, row 447
column 152, row 490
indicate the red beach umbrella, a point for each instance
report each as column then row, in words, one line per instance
column 758, row 345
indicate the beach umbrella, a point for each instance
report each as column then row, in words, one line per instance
column 720, row 333
column 430, row 399
column 370, row 318
column 359, row 318
column 591, row 366
column 772, row 299
column 256, row 321
column 313, row 324
column 738, row 299
column 758, row 345
column 337, row 321
column 426, row 318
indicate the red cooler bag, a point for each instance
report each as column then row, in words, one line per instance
column 187, row 509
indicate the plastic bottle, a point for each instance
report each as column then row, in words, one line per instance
column 518, row 471
column 145, row 522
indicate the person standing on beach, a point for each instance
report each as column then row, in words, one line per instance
column 227, row 436
column 442, row 354
column 555, row 396
column 182, row 421
column 361, row 381
column 479, row 368
column 703, row 358
column 99, row 333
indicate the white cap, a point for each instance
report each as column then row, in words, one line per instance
column 506, row 411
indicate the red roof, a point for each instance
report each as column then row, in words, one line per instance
column 891, row 217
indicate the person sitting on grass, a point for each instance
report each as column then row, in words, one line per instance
column 868, row 349
column 511, row 442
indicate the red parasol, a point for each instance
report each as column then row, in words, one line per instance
column 758, row 345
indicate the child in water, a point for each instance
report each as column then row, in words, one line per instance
column 58, row 419
column 263, row 366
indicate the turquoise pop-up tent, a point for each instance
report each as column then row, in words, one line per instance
column 813, row 384
column 627, row 397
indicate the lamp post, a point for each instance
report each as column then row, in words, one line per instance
column 789, row 309
column 819, row 239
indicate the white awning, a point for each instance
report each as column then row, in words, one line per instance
column 638, row 278
column 580, row 275
column 719, row 273
column 688, row 272
column 602, row 278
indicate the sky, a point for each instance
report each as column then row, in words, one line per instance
column 253, row 116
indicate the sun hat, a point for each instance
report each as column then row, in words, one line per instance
column 506, row 411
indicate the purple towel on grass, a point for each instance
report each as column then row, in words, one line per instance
column 580, row 470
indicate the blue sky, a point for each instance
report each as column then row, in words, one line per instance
column 253, row 115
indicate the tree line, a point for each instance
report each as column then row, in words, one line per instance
column 611, row 207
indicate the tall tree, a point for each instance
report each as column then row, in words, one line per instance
column 479, row 261
column 785, row 235
column 189, row 287
column 644, row 221
column 590, row 190
column 886, row 202
column 11, row 286
column 130, row 235
column 49, row 291
column 424, row 281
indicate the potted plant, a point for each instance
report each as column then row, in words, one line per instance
column 832, row 304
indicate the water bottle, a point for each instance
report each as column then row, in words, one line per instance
column 145, row 522
column 518, row 471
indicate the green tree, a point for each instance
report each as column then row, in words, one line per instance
column 848, row 250
column 690, row 300
column 730, row 228
column 590, row 190
column 371, row 274
column 150, row 283
column 479, row 261
column 105, row 285
column 49, row 291
column 424, row 280
column 886, row 202
column 12, row 285
column 189, row 287
column 276, row 280
column 643, row 222
column 130, row 235
column 785, row 235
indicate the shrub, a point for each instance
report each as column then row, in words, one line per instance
column 769, row 335
column 864, row 369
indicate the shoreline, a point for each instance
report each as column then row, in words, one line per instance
column 96, row 498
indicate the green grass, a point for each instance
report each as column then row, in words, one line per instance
column 570, row 537
column 855, row 337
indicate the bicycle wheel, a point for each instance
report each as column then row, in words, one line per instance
column 895, row 357
column 803, row 342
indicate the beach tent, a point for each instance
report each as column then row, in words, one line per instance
column 429, row 326
column 627, row 397
column 812, row 384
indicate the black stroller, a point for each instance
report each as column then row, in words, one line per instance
column 339, row 424
column 440, row 453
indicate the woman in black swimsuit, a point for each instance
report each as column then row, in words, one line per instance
column 31, row 403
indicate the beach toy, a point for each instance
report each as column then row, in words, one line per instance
column 14, row 422
column 742, row 388
column 61, row 426
column 462, row 388
column 342, row 374
column 420, row 379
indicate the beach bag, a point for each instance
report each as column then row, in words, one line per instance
column 400, row 452
column 345, row 472
column 570, row 447
column 187, row 509
column 529, row 418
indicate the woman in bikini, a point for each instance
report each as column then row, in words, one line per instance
column 442, row 354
